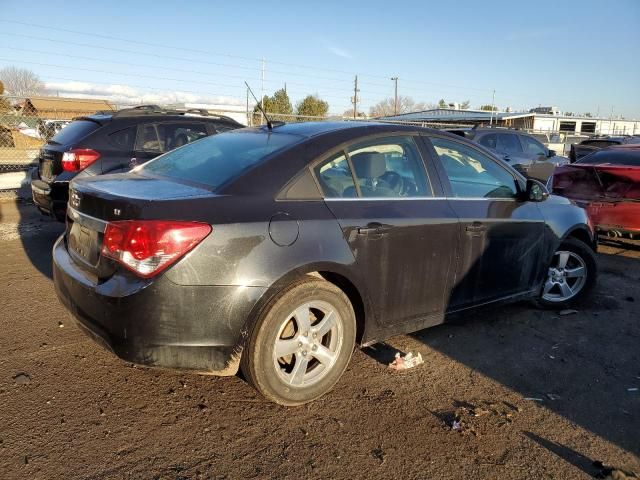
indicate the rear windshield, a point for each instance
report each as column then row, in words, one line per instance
column 614, row 157
column 75, row 131
column 215, row 160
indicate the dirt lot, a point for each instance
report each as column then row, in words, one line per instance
column 539, row 395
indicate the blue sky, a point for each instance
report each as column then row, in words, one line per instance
column 578, row 55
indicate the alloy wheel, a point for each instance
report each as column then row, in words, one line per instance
column 566, row 277
column 308, row 343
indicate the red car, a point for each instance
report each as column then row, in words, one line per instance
column 607, row 184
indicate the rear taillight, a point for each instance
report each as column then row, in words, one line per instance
column 78, row 159
column 147, row 247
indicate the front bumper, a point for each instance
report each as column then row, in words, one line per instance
column 157, row 322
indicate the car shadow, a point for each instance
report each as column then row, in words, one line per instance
column 581, row 363
column 37, row 233
column 585, row 464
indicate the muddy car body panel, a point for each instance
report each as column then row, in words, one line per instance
column 404, row 261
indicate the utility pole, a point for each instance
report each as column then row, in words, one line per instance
column 395, row 96
column 248, row 120
column 262, row 90
column 493, row 106
column 354, row 100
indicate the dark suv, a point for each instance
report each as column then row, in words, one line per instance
column 522, row 151
column 112, row 142
column 598, row 142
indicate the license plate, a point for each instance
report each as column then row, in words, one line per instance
column 83, row 242
column 46, row 169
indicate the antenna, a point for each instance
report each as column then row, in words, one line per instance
column 269, row 124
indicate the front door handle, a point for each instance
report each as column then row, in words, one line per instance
column 476, row 227
column 506, row 158
column 373, row 228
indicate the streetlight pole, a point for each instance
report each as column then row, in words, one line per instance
column 395, row 97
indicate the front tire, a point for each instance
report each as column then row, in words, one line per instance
column 301, row 343
column 571, row 275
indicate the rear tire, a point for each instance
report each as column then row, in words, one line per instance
column 571, row 275
column 301, row 343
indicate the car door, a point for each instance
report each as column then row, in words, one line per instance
column 120, row 150
column 402, row 232
column 502, row 236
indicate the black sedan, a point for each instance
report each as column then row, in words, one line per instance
column 277, row 250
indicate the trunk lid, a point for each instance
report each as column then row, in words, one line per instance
column 604, row 182
column 93, row 202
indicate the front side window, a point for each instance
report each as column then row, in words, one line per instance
column 473, row 174
column 508, row 143
column 533, row 146
column 389, row 167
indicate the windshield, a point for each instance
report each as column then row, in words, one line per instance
column 215, row 160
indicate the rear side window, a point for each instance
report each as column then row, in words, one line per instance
column 124, row 139
column 335, row 177
column 174, row 135
column 599, row 143
column 472, row 174
column 74, row 132
column 215, row 160
column 148, row 140
column 489, row 141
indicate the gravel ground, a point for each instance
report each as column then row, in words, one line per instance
column 537, row 394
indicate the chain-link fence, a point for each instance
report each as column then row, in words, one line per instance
column 26, row 123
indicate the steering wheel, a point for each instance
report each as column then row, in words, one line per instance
column 394, row 182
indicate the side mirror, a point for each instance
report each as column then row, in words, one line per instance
column 552, row 153
column 536, row 191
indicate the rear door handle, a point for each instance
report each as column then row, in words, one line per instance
column 476, row 227
column 373, row 229
column 507, row 158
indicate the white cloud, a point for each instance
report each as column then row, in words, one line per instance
column 340, row 52
column 127, row 95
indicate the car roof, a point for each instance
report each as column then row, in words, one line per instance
column 313, row 129
column 154, row 116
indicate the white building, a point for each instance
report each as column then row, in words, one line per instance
column 532, row 121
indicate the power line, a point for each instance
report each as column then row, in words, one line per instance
column 243, row 77
column 244, row 67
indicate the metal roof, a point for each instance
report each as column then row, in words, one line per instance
column 452, row 115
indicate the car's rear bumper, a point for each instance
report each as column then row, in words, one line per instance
column 157, row 323
column 621, row 216
column 50, row 198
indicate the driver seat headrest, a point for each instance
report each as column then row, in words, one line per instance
column 369, row 164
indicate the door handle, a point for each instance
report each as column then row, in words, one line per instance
column 372, row 229
column 506, row 158
column 476, row 227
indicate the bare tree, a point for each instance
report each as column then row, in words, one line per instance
column 21, row 82
column 385, row 108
